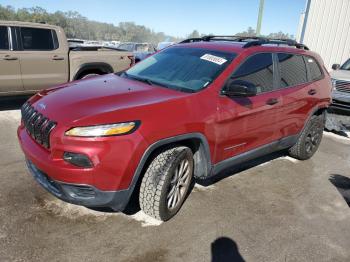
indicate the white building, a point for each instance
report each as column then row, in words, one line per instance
column 325, row 29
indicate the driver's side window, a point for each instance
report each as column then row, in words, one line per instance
column 258, row 70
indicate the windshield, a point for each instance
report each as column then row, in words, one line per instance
column 185, row 69
column 127, row 47
column 346, row 65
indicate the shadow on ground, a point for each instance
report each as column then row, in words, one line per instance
column 12, row 103
column 240, row 168
column 225, row 249
column 342, row 183
column 133, row 206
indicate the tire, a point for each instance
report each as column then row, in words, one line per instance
column 310, row 139
column 162, row 193
column 88, row 76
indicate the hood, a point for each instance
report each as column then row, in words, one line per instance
column 82, row 99
column 341, row 74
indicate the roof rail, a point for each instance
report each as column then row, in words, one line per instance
column 288, row 42
column 251, row 40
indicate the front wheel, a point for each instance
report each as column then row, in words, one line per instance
column 310, row 139
column 166, row 182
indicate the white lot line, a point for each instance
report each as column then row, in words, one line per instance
column 10, row 115
column 199, row 187
column 63, row 209
column 338, row 137
column 146, row 220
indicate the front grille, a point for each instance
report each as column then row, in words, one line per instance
column 342, row 86
column 38, row 126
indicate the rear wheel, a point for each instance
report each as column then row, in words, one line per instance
column 89, row 75
column 310, row 139
column 166, row 182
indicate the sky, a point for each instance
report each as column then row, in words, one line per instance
column 181, row 17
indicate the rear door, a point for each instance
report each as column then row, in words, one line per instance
column 297, row 92
column 44, row 62
column 10, row 71
column 250, row 122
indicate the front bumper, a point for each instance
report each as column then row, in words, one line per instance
column 109, row 183
column 84, row 195
column 340, row 103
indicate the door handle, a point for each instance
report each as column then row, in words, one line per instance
column 57, row 58
column 312, row 92
column 10, row 58
column 272, row 101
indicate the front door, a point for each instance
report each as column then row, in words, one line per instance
column 10, row 70
column 247, row 123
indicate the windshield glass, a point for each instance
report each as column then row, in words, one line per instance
column 346, row 65
column 141, row 48
column 185, row 69
column 127, row 47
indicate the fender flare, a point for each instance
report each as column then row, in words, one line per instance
column 204, row 148
column 313, row 111
column 100, row 66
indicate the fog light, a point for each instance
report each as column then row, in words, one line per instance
column 76, row 159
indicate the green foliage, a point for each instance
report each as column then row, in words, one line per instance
column 77, row 26
column 280, row 35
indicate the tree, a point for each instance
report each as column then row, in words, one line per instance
column 194, row 34
column 77, row 26
column 249, row 32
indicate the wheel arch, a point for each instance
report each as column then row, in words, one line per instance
column 197, row 142
column 104, row 68
column 319, row 111
column 316, row 111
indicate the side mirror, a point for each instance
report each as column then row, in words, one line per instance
column 335, row 66
column 239, row 88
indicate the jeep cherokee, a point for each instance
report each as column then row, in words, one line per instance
column 187, row 112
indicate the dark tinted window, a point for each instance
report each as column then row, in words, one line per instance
column 293, row 70
column 346, row 65
column 314, row 68
column 258, row 69
column 55, row 39
column 4, row 38
column 186, row 69
column 37, row 39
column 127, row 47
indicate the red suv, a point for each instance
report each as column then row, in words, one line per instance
column 189, row 111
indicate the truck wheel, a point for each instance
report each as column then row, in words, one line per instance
column 89, row 75
column 166, row 182
column 309, row 140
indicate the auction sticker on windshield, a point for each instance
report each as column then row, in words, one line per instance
column 214, row 59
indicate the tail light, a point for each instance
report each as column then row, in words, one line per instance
column 132, row 60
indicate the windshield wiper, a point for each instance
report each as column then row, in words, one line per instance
column 152, row 82
column 144, row 80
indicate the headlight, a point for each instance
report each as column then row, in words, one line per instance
column 103, row 130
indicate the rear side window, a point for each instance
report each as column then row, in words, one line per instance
column 37, row 39
column 292, row 70
column 258, row 70
column 314, row 68
column 127, row 47
column 4, row 38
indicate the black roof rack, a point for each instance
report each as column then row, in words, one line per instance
column 250, row 40
column 267, row 41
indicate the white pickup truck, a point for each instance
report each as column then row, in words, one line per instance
column 341, row 82
column 36, row 56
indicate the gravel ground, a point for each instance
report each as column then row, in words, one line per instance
column 274, row 209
